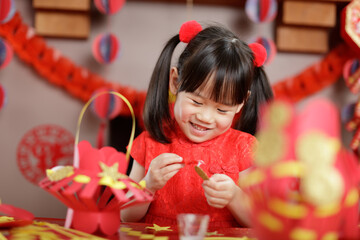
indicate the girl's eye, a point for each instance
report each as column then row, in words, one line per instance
column 197, row 103
column 222, row 111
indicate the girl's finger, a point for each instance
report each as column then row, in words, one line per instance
column 216, row 201
column 172, row 167
column 211, row 192
column 169, row 175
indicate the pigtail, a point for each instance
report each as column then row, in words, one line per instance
column 156, row 110
column 261, row 92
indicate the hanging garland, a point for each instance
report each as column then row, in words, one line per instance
column 81, row 83
column 61, row 71
column 316, row 77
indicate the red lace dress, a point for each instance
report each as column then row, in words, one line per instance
column 228, row 154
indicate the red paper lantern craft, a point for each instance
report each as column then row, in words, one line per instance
column 6, row 53
column 96, row 187
column 298, row 157
column 109, row 6
column 105, row 48
column 7, row 10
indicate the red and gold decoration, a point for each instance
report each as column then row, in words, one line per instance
column 44, row 147
column 11, row 216
column 96, row 188
column 350, row 25
column 304, row 183
column 351, row 112
column 17, row 223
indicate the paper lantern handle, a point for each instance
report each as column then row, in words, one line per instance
column 87, row 105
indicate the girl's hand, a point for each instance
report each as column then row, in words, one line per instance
column 219, row 190
column 161, row 169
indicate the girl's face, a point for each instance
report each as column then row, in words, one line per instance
column 200, row 118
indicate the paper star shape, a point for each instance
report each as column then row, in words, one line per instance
column 157, row 228
column 110, row 171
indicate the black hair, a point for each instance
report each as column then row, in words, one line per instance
column 214, row 50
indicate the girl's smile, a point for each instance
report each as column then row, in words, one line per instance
column 198, row 129
column 202, row 119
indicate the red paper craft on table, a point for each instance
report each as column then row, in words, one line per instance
column 304, row 183
column 96, row 187
column 14, row 217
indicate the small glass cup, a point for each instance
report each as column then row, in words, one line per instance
column 192, row 226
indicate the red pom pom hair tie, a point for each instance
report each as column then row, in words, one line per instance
column 188, row 30
column 259, row 53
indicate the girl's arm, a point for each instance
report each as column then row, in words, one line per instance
column 136, row 212
column 239, row 207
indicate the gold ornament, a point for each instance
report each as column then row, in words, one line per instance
column 270, row 148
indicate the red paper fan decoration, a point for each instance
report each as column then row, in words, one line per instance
column 42, row 148
column 109, row 6
column 7, row 10
column 6, row 53
column 105, row 48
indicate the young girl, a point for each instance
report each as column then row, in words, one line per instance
column 217, row 76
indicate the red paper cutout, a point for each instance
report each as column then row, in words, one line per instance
column 42, row 148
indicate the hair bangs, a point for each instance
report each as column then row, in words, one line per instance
column 196, row 72
column 229, row 83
